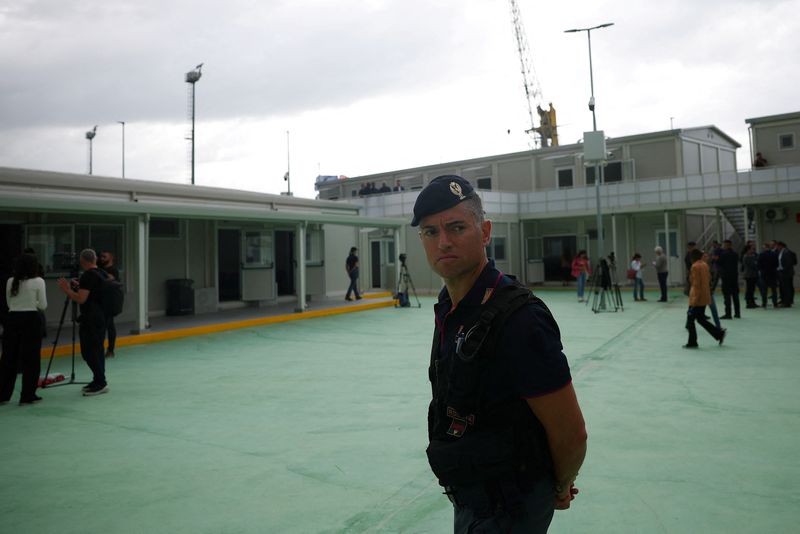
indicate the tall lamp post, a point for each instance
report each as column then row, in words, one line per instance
column 192, row 77
column 288, row 175
column 90, row 135
column 598, row 139
column 123, row 147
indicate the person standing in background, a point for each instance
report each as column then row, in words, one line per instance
column 750, row 274
column 22, row 337
column 106, row 262
column 662, row 271
column 351, row 266
column 638, row 282
column 581, row 271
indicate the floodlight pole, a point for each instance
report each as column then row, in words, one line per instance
column 600, row 247
column 288, row 168
column 192, row 77
column 90, row 135
column 123, row 147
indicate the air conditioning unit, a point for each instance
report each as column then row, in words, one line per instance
column 775, row 214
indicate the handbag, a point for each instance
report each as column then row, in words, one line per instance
column 631, row 274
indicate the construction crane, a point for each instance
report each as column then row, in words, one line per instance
column 547, row 130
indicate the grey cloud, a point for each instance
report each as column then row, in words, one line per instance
column 103, row 61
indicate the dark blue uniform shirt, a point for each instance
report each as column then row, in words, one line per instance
column 529, row 359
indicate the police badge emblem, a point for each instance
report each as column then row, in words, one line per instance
column 455, row 188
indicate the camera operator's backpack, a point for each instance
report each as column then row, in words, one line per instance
column 112, row 294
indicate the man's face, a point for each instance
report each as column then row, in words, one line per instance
column 727, row 245
column 102, row 259
column 454, row 242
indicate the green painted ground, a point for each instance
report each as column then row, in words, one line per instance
column 318, row 427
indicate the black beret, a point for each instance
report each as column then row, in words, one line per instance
column 441, row 194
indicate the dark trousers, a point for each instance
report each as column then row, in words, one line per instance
column 785, row 279
column 698, row 314
column 111, row 332
column 730, row 290
column 91, row 333
column 662, row 283
column 769, row 282
column 475, row 510
column 22, row 345
column 353, row 283
column 749, row 291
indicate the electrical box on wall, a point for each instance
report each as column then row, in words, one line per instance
column 594, row 147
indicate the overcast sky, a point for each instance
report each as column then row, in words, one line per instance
column 366, row 86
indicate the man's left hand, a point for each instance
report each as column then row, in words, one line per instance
column 563, row 501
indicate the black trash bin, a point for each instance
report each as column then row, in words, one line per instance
column 180, row 297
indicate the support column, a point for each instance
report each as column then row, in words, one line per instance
column 746, row 224
column 667, row 250
column 398, row 249
column 615, row 250
column 719, row 225
column 142, row 275
column 301, row 267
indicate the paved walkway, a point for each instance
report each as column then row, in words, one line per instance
column 318, row 426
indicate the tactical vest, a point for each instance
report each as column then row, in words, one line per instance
column 472, row 438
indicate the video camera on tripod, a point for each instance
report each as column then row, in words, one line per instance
column 403, row 283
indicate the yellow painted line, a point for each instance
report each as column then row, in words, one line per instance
column 154, row 337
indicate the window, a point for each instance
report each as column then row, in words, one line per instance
column 497, row 248
column 165, row 228
column 673, row 242
column 257, row 248
column 564, row 177
column 484, row 184
column 611, row 173
column 313, row 246
column 100, row 237
column 390, row 252
column 786, row 141
column 53, row 246
column 534, row 248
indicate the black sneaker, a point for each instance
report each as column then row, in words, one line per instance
column 110, row 354
column 35, row 398
column 687, row 346
column 88, row 386
column 725, row 317
column 722, row 337
column 95, row 390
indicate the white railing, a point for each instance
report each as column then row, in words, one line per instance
column 717, row 189
column 722, row 188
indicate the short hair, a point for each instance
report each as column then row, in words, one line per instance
column 475, row 206
column 696, row 255
column 691, row 244
column 89, row 255
column 659, row 249
column 353, row 249
column 727, row 241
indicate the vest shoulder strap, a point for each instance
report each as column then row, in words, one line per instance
column 503, row 302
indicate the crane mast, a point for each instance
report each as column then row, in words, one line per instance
column 533, row 91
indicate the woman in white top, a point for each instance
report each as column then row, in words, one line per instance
column 22, row 336
column 638, row 283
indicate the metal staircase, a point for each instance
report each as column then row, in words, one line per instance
column 736, row 218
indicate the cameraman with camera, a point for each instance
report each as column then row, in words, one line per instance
column 87, row 293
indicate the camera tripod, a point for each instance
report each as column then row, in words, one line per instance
column 606, row 295
column 73, row 318
column 404, row 281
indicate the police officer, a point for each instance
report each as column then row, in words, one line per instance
column 506, row 433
